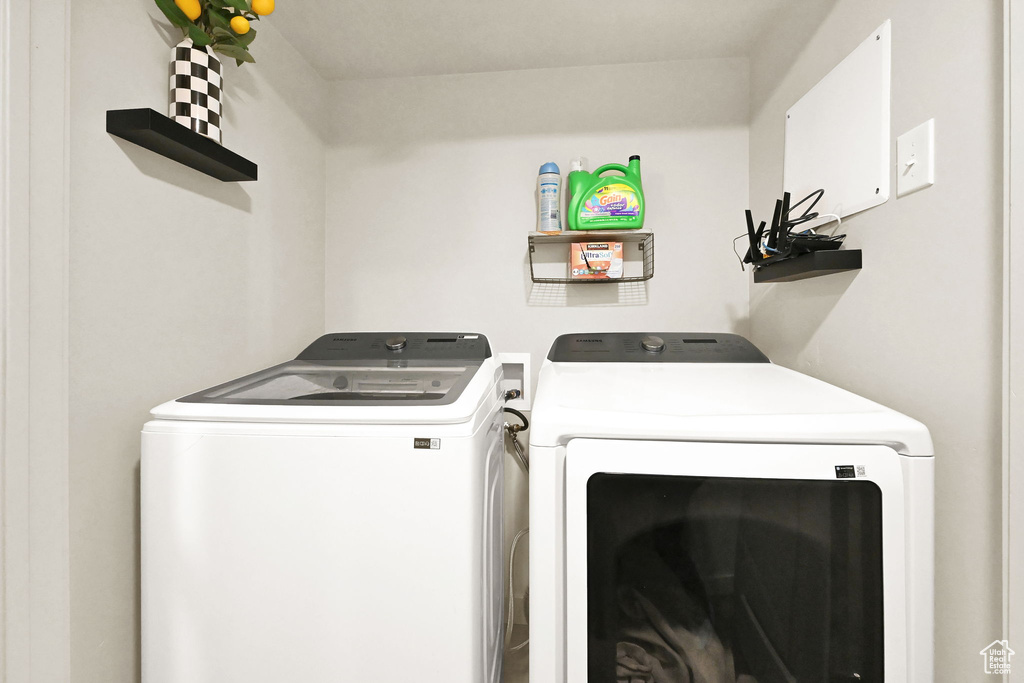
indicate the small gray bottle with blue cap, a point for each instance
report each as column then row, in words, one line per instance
column 549, row 197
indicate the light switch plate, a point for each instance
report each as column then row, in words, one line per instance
column 915, row 159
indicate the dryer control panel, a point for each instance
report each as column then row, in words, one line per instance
column 654, row 347
column 460, row 346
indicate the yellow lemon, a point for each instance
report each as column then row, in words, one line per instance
column 240, row 25
column 263, row 7
column 190, row 8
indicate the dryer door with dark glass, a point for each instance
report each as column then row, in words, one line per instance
column 733, row 563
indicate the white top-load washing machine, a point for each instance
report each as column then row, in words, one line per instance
column 333, row 518
column 700, row 514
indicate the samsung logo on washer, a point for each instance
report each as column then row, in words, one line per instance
column 596, row 341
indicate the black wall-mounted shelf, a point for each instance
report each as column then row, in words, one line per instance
column 156, row 132
column 814, row 264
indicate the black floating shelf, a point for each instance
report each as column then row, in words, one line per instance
column 156, row 132
column 814, row 264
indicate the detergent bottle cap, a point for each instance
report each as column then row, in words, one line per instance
column 549, row 167
column 579, row 164
column 635, row 157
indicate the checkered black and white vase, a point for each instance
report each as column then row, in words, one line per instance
column 195, row 89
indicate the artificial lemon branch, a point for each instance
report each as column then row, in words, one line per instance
column 224, row 25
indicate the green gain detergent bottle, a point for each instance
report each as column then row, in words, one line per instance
column 612, row 203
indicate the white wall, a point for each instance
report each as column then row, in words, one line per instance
column 430, row 195
column 919, row 327
column 1013, row 331
column 34, row 637
column 177, row 282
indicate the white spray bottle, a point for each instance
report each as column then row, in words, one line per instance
column 549, row 199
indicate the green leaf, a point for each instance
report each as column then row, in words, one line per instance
column 219, row 20
column 240, row 5
column 172, row 12
column 223, row 34
column 219, row 4
column 198, row 35
column 246, row 38
column 234, row 51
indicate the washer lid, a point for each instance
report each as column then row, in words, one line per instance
column 362, row 369
column 374, row 382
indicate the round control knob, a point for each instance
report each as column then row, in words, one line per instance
column 395, row 343
column 652, row 344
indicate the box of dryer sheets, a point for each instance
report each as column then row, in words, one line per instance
column 595, row 260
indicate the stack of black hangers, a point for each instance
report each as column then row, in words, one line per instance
column 782, row 242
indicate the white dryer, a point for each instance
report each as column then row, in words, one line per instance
column 699, row 513
column 333, row 518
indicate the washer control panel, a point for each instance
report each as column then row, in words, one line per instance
column 661, row 347
column 652, row 343
column 460, row 346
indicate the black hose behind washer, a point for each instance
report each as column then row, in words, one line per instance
column 526, row 423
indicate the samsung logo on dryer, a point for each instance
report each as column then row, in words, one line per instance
column 598, row 341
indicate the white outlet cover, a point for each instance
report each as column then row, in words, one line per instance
column 516, row 371
column 915, row 159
